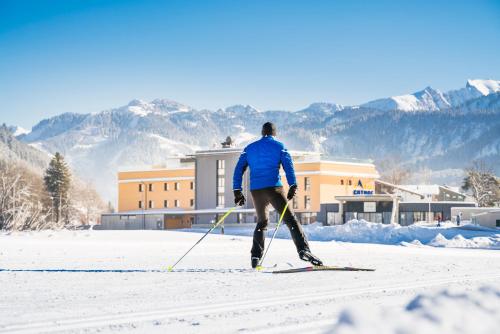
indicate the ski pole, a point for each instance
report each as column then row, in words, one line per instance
column 259, row 267
column 170, row 268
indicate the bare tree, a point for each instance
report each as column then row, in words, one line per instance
column 87, row 205
column 482, row 183
column 21, row 201
column 393, row 170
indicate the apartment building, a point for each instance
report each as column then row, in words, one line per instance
column 170, row 188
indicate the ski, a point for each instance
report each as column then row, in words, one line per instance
column 320, row 268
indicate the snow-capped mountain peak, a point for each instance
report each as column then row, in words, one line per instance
column 427, row 99
column 139, row 107
column 472, row 90
column 430, row 99
column 486, row 87
column 136, row 103
column 324, row 107
column 167, row 105
column 143, row 108
column 240, row 108
column 18, row 131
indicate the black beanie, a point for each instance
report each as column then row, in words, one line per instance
column 268, row 129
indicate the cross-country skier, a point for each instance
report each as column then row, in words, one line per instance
column 264, row 157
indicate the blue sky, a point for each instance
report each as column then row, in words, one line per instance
column 89, row 55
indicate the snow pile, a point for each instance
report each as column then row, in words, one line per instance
column 448, row 311
column 448, row 235
column 459, row 241
column 361, row 231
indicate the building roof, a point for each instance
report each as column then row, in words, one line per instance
column 486, row 213
column 367, row 198
column 178, row 212
column 233, row 150
column 431, row 189
column 402, row 188
column 458, row 203
column 477, row 208
column 342, row 162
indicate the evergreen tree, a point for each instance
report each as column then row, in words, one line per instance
column 58, row 181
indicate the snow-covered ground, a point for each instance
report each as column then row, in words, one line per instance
column 415, row 289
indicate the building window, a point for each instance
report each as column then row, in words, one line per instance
column 177, row 186
column 307, row 202
column 165, row 204
column 150, row 187
column 220, row 186
column 306, row 218
column 295, row 203
column 221, row 166
column 350, row 182
column 191, row 185
column 341, row 182
column 220, row 200
column 165, row 186
column 140, row 187
column 191, row 202
column 333, row 218
column 419, row 216
column 151, row 204
column 140, row 204
column 176, row 203
column 307, row 183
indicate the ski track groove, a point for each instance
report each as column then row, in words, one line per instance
column 171, row 312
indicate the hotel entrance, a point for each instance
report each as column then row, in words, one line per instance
column 371, row 208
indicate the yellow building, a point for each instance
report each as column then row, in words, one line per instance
column 158, row 188
column 321, row 180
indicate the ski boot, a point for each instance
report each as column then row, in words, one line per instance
column 309, row 257
column 255, row 262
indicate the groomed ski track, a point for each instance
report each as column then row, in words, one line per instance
column 103, row 322
column 214, row 301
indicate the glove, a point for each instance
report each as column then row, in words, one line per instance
column 292, row 191
column 239, row 199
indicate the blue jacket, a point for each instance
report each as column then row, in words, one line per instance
column 264, row 156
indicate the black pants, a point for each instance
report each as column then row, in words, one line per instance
column 274, row 196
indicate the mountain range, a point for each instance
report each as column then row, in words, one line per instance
column 434, row 133
column 431, row 99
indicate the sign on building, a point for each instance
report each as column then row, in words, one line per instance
column 361, row 191
column 370, row 206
